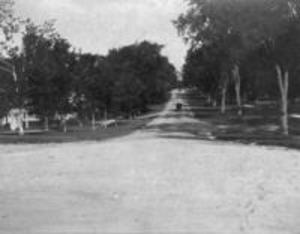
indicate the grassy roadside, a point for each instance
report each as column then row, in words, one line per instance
column 259, row 125
column 85, row 133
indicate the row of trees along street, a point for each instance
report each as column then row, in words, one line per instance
column 48, row 77
column 246, row 48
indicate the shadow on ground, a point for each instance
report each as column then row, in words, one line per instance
column 258, row 126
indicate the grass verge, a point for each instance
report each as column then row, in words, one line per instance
column 84, row 133
column 259, row 125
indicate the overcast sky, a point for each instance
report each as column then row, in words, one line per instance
column 99, row 25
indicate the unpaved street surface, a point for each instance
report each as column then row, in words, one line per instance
column 153, row 181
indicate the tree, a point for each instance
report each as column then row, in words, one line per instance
column 250, row 23
column 127, row 86
column 276, row 28
column 11, row 63
column 211, row 22
column 7, row 93
column 92, row 85
column 47, row 69
column 283, row 54
column 142, row 76
column 206, row 68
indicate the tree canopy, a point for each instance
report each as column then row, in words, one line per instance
column 243, row 30
column 47, row 76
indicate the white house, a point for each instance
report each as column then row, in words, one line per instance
column 17, row 118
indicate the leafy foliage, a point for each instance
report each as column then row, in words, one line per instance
column 48, row 77
column 247, row 33
column 47, row 70
column 142, row 76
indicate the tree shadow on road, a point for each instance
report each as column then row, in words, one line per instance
column 259, row 126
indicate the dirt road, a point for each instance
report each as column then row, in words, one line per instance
column 153, row 181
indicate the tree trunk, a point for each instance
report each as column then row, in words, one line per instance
column 64, row 125
column 209, row 99
column 26, row 124
column 214, row 103
column 105, row 113
column 237, row 85
column 21, row 131
column 224, row 94
column 15, row 77
column 21, row 128
column 93, row 121
column 283, row 81
column 46, row 124
column 19, row 122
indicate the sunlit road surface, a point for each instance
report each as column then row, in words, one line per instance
column 150, row 183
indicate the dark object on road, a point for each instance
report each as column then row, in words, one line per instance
column 178, row 106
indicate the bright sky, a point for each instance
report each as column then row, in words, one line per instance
column 99, row 25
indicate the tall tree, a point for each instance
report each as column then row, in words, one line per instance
column 207, row 69
column 92, row 86
column 208, row 22
column 47, row 68
column 11, row 63
column 251, row 23
column 283, row 54
column 274, row 24
column 142, row 76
